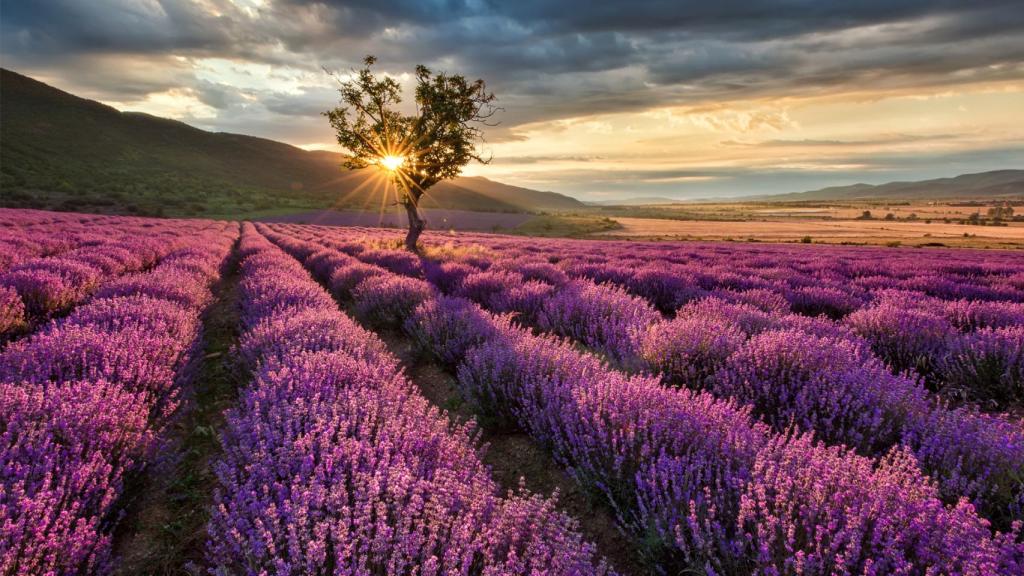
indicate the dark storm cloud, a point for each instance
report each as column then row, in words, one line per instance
column 545, row 59
column 401, row 11
column 118, row 26
column 738, row 19
column 310, row 102
column 551, row 59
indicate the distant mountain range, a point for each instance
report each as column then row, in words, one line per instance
column 60, row 151
column 994, row 185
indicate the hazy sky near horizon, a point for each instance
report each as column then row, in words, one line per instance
column 602, row 100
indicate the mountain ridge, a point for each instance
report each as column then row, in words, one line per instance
column 61, row 151
column 990, row 185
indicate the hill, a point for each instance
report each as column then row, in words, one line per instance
column 517, row 195
column 994, row 185
column 59, row 151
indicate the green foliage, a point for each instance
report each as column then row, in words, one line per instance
column 66, row 153
column 1000, row 212
column 565, row 226
column 432, row 145
column 436, row 142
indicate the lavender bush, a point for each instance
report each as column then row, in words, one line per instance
column 988, row 365
column 333, row 462
column 83, row 405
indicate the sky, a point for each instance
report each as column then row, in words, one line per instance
column 601, row 100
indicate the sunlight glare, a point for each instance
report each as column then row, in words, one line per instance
column 392, row 163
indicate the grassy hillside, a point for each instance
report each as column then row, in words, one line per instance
column 519, row 196
column 63, row 152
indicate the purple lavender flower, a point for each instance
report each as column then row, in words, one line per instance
column 12, row 310
column 818, row 510
column 907, row 339
column 342, row 281
column 447, row 276
column 487, row 288
column 690, row 349
column 665, row 288
column 832, row 387
column 64, row 451
column 823, row 300
column 333, row 462
column 988, row 365
column 389, row 300
column 602, row 317
column 971, row 315
column 448, row 328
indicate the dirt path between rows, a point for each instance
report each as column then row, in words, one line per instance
column 514, row 457
column 164, row 531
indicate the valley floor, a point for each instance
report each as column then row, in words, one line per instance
column 829, row 231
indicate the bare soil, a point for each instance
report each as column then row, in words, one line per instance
column 164, row 531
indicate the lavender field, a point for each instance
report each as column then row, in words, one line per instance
column 210, row 397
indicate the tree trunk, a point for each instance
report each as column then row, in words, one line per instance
column 416, row 226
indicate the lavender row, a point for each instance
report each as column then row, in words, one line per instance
column 817, row 279
column 963, row 340
column 36, row 289
column 27, row 234
column 908, row 324
column 835, row 280
column 333, row 463
column 83, row 404
column 972, row 350
column 794, row 369
column 32, row 291
column 897, row 340
column 935, row 337
column 799, row 369
column 698, row 482
column 788, row 368
column 981, row 290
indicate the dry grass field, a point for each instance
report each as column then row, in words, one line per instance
column 825, row 230
column 908, row 223
column 804, row 210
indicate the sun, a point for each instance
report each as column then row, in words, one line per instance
column 392, row 163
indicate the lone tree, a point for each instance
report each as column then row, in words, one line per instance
column 419, row 150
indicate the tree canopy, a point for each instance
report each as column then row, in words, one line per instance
column 417, row 150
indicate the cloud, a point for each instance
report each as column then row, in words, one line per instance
column 523, row 160
column 55, row 27
column 656, row 52
column 881, row 140
column 255, row 66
